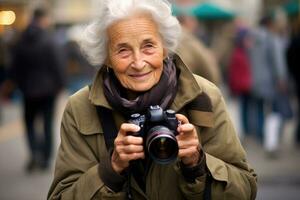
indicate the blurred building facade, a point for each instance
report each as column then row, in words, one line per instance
column 66, row 13
column 74, row 11
column 249, row 11
column 62, row 11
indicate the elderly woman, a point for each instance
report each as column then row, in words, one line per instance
column 133, row 41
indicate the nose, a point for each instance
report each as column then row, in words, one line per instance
column 138, row 62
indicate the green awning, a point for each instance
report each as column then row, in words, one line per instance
column 292, row 7
column 209, row 11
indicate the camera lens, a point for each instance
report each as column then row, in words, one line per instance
column 162, row 145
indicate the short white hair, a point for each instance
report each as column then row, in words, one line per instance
column 94, row 41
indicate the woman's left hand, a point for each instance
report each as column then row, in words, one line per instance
column 188, row 142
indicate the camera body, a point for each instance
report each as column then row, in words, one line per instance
column 158, row 129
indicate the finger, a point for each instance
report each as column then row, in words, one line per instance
column 186, row 128
column 183, row 119
column 133, row 156
column 185, row 144
column 126, row 128
column 128, row 149
column 187, row 152
column 128, row 140
column 121, row 141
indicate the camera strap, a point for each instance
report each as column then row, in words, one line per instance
column 207, row 189
column 110, row 131
column 108, row 125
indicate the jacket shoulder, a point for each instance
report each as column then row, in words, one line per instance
column 81, row 96
column 84, row 112
column 209, row 88
column 201, row 109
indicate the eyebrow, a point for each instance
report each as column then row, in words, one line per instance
column 148, row 40
column 121, row 45
column 124, row 44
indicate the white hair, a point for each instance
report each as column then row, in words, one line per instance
column 94, row 41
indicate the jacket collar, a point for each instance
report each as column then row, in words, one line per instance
column 96, row 95
column 188, row 88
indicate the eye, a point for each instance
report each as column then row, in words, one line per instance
column 149, row 48
column 148, row 45
column 123, row 52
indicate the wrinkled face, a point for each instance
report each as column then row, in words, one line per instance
column 135, row 52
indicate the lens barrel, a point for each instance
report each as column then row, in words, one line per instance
column 162, row 145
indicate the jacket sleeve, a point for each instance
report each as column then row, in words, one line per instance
column 77, row 166
column 232, row 178
column 226, row 159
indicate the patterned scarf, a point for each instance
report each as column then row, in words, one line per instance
column 163, row 93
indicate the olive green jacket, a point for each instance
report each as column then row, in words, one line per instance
column 82, row 151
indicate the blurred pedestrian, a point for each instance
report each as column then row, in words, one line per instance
column 269, row 83
column 37, row 70
column 293, row 60
column 193, row 52
column 2, row 61
column 2, row 73
column 240, row 75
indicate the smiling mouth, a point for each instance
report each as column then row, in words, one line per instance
column 139, row 76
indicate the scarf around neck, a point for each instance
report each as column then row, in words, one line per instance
column 162, row 94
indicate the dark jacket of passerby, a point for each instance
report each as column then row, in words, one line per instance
column 37, row 65
column 293, row 60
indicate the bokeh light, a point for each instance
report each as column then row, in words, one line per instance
column 7, row 17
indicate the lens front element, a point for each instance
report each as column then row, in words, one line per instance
column 162, row 145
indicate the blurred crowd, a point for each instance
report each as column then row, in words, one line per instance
column 259, row 76
column 265, row 53
column 257, row 65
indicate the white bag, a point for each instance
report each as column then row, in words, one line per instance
column 271, row 132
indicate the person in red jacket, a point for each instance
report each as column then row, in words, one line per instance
column 239, row 75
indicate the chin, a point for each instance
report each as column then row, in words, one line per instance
column 142, row 88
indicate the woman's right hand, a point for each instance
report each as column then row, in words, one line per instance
column 127, row 147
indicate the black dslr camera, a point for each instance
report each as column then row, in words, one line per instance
column 158, row 129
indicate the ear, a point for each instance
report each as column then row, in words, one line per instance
column 165, row 53
column 107, row 62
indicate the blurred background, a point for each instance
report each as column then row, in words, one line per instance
column 249, row 49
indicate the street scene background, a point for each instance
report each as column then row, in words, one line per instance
column 227, row 25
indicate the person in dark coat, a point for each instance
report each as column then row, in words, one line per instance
column 293, row 62
column 37, row 70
